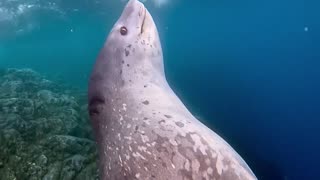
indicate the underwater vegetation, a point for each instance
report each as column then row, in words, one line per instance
column 44, row 129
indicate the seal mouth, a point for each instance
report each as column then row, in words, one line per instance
column 144, row 19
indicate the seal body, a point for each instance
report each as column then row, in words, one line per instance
column 142, row 129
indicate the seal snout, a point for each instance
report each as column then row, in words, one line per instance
column 138, row 6
column 135, row 3
column 133, row 17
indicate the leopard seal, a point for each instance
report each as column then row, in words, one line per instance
column 142, row 128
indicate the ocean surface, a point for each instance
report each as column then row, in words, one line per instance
column 249, row 70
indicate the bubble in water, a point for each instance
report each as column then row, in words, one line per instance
column 160, row 3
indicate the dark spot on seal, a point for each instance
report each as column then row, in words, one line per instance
column 145, row 118
column 167, row 116
column 136, row 128
column 129, row 46
column 95, row 105
column 180, row 124
column 126, row 52
column 151, row 45
column 162, row 121
column 145, row 86
column 146, row 102
column 172, row 155
column 186, row 174
column 128, row 65
column 120, row 71
column 122, row 62
column 164, row 164
column 153, row 176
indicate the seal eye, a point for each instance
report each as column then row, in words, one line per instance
column 123, row 31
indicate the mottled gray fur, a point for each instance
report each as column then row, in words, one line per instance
column 142, row 128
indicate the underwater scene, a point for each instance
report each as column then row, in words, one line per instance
column 248, row 70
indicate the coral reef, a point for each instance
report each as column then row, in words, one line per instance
column 44, row 130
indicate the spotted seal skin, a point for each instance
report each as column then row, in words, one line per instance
column 143, row 130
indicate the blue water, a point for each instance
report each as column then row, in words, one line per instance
column 248, row 69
